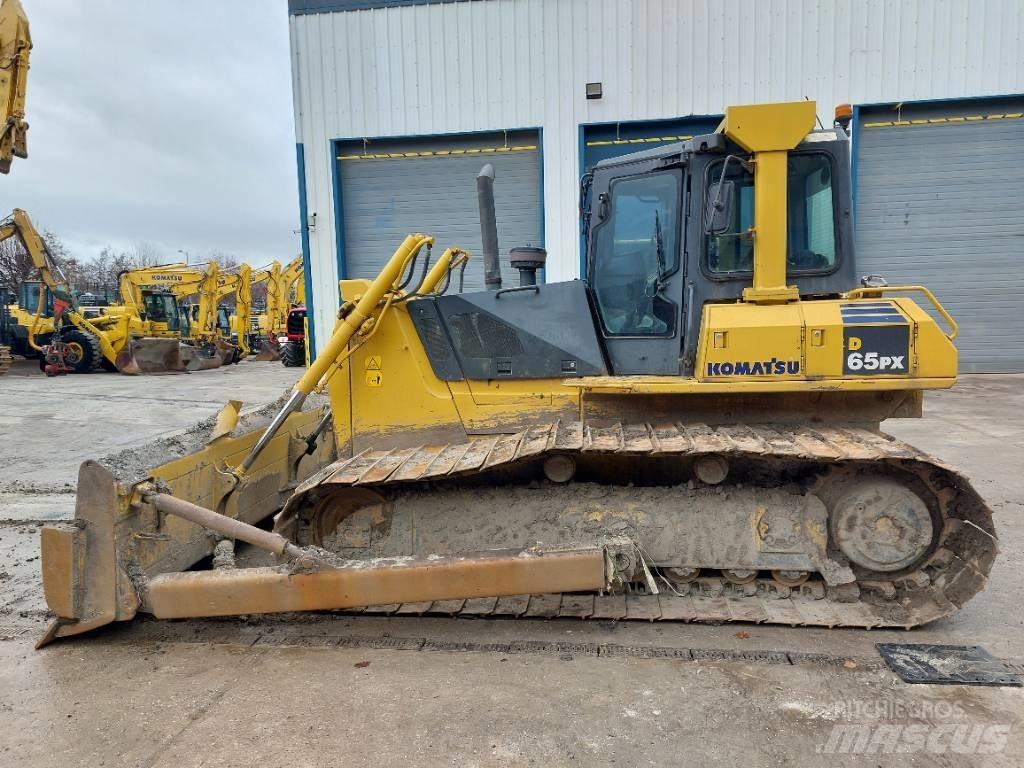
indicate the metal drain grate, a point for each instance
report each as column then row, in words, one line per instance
column 947, row 665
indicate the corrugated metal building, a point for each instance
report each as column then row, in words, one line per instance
column 399, row 102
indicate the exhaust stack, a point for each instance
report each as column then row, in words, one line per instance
column 488, row 227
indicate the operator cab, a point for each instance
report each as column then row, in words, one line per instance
column 161, row 307
column 665, row 236
column 668, row 231
column 190, row 317
column 28, row 298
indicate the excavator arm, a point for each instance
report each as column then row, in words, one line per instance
column 239, row 284
column 15, row 44
column 269, row 319
column 20, row 226
column 178, row 279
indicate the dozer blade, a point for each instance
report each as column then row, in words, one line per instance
column 136, row 534
column 116, row 532
column 150, row 356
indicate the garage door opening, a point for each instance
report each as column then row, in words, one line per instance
column 938, row 191
column 389, row 188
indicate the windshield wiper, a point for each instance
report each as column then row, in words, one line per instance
column 659, row 250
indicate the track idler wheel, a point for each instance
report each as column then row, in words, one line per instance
column 881, row 525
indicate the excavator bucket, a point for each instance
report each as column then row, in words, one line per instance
column 151, row 356
column 271, row 351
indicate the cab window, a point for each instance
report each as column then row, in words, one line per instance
column 161, row 308
column 811, row 229
column 636, row 247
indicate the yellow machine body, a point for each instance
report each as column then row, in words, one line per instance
column 15, row 45
column 758, row 488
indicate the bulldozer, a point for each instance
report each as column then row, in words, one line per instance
column 691, row 432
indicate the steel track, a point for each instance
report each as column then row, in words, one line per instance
column 956, row 568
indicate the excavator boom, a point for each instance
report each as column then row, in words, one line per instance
column 15, row 45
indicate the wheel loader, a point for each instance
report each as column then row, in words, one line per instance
column 690, row 433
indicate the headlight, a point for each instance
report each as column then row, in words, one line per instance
column 282, row 339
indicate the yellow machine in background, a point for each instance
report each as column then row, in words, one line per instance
column 15, row 45
column 690, row 433
column 284, row 289
column 121, row 339
column 21, row 325
column 238, row 284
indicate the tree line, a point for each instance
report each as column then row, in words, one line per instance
column 97, row 275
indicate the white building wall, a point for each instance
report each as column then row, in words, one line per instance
column 495, row 64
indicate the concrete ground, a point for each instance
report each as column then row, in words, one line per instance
column 354, row 690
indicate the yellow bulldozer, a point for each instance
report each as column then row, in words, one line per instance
column 690, row 433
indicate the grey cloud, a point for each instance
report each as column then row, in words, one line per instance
column 164, row 122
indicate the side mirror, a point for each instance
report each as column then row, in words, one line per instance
column 718, row 215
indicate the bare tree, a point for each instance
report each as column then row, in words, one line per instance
column 226, row 262
column 145, row 254
column 16, row 265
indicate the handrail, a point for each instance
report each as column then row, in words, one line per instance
column 867, row 293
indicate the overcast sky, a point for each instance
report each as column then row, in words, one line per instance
column 160, row 121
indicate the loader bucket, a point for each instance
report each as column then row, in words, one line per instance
column 270, row 351
column 200, row 358
column 86, row 563
column 205, row 357
column 227, row 352
column 150, row 356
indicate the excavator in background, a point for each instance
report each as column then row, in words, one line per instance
column 15, row 45
column 157, row 294
column 689, row 433
column 283, row 288
column 239, row 284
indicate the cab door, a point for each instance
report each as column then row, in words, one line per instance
column 635, row 270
